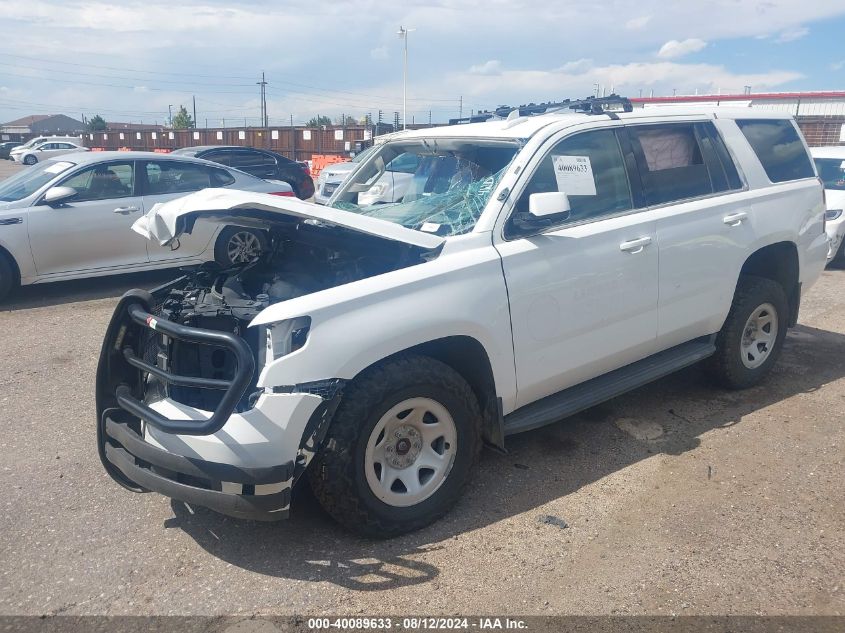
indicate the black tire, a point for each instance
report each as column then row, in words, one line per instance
column 30, row 160
column 726, row 366
column 221, row 246
column 338, row 476
column 838, row 260
column 8, row 278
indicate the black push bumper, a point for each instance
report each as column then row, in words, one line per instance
column 140, row 466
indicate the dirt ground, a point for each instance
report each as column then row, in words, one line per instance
column 676, row 498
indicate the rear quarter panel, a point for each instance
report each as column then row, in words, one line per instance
column 781, row 212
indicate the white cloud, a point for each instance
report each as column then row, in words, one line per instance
column 674, row 48
column 379, row 53
column 640, row 22
column 790, row 35
column 491, row 67
column 577, row 66
column 174, row 51
column 628, row 79
column 838, row 65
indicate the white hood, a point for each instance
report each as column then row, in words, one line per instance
column 168, row 220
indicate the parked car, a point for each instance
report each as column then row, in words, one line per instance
column 38, row 140
column 535, row 267
column 70, row 218
column 6, row 148
column 333, row 175
column 258, row 162
column 45, row 151
column 389, row 188
column 830, row 163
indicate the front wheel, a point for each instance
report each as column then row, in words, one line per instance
column 401, row 448
column 29, row 160
column 238, row 245
column 752, row 336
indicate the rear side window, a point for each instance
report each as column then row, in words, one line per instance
column 671, row 162
column 779, row 148
column 176, row 177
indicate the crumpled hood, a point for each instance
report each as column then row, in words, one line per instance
column 168, row 220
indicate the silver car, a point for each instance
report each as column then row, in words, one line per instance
column 70, row 217
column 44, row 151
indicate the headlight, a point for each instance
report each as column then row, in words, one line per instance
column 286, row 337
column 832, row 214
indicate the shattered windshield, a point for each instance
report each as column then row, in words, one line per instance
column 438, row 186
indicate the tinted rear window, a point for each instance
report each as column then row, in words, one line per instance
column 779, row 148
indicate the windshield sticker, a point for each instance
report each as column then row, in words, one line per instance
column 430, row 227
column 57, row 168
column 574, row 175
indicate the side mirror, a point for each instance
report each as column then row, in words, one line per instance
column 543, row 205
column 56, row 195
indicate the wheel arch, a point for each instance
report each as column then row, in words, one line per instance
column 7, row 255
column 780, row 263
column 467, row 356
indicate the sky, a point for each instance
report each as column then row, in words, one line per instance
column 130, row 61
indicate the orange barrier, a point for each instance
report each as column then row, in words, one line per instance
column 321, row 161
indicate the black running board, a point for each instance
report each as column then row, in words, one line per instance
column 597, row 390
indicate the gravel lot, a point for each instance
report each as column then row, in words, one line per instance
column 677, row 498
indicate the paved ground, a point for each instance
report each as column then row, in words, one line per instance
column 9, row 167
column 679, row 498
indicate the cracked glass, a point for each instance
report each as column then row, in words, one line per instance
column 438, row 186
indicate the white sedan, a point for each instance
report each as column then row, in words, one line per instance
column 71, row 217
column 830, row 164
column 43, row 151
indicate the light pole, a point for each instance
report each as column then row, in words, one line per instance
column 170, row 114
column 403, row 34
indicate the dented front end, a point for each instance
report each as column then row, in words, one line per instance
column 178, row 412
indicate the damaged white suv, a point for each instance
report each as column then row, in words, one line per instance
column 536, row 266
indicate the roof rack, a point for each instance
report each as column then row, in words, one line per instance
column 590, row 105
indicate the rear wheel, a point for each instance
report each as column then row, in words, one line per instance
column 8, row 279
column 238, row 245
column 752, row 337
column 401, row 448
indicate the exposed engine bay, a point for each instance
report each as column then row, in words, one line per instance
column 304, row 257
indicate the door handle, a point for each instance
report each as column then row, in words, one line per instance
column 126, row 210
column 735, row 219
column 635, row 246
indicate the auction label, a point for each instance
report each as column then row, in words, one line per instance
column 574, row 175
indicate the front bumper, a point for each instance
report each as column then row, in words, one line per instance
column 243, row 463
column 835, row 234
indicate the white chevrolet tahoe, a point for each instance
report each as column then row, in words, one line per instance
column 537, row 265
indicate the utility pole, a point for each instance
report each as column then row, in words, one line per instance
column 429, row 118
column 403, row 34
column 196, row 123
column 263, row 85
column 170, row 114
column 461, row 108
